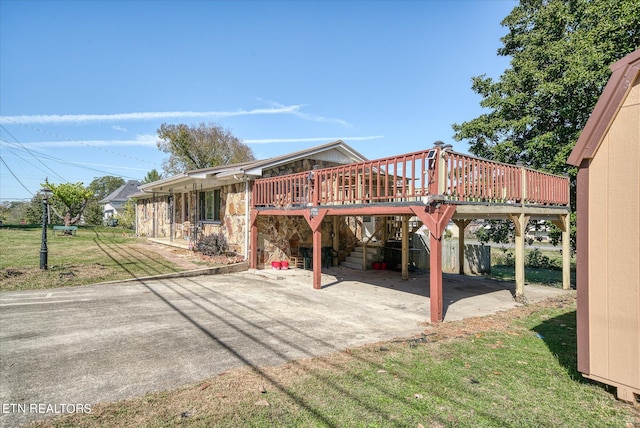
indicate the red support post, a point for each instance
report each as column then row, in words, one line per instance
column 317, row 259
column 436, row 220
column 435, row 279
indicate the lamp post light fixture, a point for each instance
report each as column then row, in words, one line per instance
column 44, row 253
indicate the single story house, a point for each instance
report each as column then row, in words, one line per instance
column 197, row 203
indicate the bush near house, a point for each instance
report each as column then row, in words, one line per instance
column 213, row 245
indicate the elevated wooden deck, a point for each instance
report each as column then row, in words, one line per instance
column 436, row 185
column 434, row 175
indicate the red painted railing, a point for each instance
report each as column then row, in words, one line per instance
column 411, row 177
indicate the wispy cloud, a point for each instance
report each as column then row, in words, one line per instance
column 148, row 140
column 308, row 140
column 119, row 128
column 312, row 117
column 140, row 116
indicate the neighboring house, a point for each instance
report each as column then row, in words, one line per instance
column 608, row 234
column 216, row 200
column 115, row 201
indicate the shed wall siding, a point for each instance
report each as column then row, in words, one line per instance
column 614, row 246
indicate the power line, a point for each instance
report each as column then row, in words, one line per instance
column 16, row 177
column 79, row 142
column 76, row 164
column 32, row 154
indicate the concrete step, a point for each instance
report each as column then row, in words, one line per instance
column 354, row 259
column 350, row 265
column 358, row 255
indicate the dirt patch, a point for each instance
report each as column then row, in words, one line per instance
column 187, row 259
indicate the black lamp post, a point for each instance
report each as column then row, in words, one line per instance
column 46, row 193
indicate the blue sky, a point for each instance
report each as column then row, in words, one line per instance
column 84, row 86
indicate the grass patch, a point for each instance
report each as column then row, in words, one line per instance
column 515, row 368
column 92, row 255
column 542, row 266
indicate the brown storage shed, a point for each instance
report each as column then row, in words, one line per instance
column 608, row 234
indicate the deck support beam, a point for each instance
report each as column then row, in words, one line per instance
column 520, row 221
column 436, row 220
column 405, row 247
column 315, row 223
column 564, row 224
column 462, row 225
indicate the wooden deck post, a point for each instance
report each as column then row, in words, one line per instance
column 405, row 247
column 462, row 225
column 436, row 220
column 520, row 221
column 564, row 224
column 566, row 253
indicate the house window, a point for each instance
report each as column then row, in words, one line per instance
column 210, row 205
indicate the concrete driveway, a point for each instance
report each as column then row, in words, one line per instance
column 107, row 342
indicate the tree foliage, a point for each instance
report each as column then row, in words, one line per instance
column 101, row 187
column 127, row 216
column 560, row 55
column 200, row 147
column 16, row 212
column 152, row 176
column 104, row 186
column 70, row 198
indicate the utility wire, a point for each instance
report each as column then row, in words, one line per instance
column 16, row 177
column 26, row 125
column 32, row 154
column 79, row 165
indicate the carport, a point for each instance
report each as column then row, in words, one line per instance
column 434, row 186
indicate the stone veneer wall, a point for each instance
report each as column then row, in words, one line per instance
column 234, row 217
column 278, row 234
column 153, row 211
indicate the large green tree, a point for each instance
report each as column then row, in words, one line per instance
column 560, row 54
column 204, row 146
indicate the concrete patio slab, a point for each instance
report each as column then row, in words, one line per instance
column 106, row 342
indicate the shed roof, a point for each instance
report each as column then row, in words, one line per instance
column 624, row 73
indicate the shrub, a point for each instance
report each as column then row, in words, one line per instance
column 535, row 259
column 505, row 259
column 213, row 245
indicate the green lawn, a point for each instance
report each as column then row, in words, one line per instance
column 515, row 369
column 541, row 267
column 92, row 255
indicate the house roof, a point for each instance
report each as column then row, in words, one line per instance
column 122, row 193
column 624, row 73
column 252, row 169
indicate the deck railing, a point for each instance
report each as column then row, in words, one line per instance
column 414, row 176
